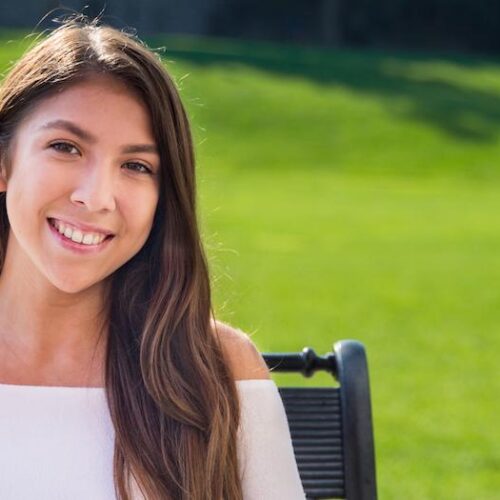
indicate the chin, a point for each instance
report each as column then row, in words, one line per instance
column 74, row 285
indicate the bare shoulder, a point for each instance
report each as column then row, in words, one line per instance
column 243, row 357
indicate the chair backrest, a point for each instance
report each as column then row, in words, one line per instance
column 331, row 427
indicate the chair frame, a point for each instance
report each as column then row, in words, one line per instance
column 348, row 365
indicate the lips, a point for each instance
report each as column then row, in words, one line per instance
column 77, row 234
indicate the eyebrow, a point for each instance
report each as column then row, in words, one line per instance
column 92, row 139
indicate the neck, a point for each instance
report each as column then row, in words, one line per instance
column 48, row 336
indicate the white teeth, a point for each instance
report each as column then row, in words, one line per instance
column 87, row 239
column 78, row 236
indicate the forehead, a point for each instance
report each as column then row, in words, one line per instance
column 99, row 103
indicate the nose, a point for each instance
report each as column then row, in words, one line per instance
column 95, row 189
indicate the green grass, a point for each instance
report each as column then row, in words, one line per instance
column 350, row 194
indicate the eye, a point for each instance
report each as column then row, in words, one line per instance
column 138, row 167
column 64, row 147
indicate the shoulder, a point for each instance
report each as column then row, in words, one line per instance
column 242, row 356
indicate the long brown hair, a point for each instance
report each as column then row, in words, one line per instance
column 172, row 399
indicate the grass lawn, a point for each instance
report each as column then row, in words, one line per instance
column 350, row 194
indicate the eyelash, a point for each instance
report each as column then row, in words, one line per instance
column 56, row 145
column 146, row 170
column 67, row 146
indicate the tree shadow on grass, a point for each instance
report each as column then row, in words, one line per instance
column 466, row 113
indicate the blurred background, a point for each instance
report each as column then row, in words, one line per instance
column 349, row 188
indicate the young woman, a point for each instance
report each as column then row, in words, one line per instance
column 115, row 380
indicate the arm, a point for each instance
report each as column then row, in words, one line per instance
column 267, row 465
column 244, row 359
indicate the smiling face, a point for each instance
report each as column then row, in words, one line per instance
column 83, row 184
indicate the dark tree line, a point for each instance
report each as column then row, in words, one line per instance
column 418, row 24
column 428, row 24
column 442, row 24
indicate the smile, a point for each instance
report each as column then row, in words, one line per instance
column 75, row 236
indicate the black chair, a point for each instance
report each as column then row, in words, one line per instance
column 331, row 427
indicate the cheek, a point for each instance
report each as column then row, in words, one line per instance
column 34, row 182
column 138, row 213
column 27, row 203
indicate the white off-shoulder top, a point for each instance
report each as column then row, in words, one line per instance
column 56, row 443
